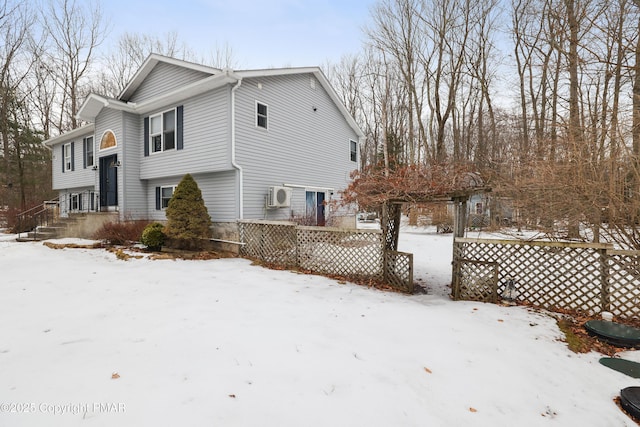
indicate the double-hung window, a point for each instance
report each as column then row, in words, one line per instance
column 165, row 195
column 88, row 152
column 162, row 131
column 75, row 202
column 353, row 148
column 261, row 115
column 67, row 152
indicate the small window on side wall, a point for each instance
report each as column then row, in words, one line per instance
column 353, row 148
column 166, row 194
column 88, row 152
column 261, row 115
column 67, row 157
column 163, row 196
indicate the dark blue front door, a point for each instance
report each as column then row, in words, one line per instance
column 108, row 181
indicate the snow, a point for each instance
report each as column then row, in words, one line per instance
column 88, row 339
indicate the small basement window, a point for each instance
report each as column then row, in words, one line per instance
column 165, row 195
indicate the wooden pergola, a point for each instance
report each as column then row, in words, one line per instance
column 386, row 191
column 392, row 211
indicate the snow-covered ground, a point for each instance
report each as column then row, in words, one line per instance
column 87, row 339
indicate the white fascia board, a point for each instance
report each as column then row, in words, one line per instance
column 151, row 61
column 336, row 100
column 268, row 72
column 93, row 105
column 317, row 72
column 72, row 134
column 185, row 92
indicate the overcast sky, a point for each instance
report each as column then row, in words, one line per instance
column 261, row 34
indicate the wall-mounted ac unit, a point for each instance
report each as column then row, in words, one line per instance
column 279, row 197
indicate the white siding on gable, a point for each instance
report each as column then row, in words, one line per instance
column 165, row 78
column 307, row 142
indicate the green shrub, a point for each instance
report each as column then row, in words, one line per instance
column 188, row 221
column 153, row 236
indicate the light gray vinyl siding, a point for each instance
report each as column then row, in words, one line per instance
column 218, row 191
column 112, row 120
column 206, row 139
column 78, row 178
column 163, row 79
column 302, row 146
column 134, row 198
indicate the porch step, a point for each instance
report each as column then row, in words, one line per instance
column 44, row 232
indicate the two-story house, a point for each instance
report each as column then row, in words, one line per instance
column 261, row 144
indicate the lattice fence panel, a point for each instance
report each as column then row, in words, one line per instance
column 347, row 253
column 274, row 243
column 477, row 280
column 546, row 274
column 398, row 268
column 624, row 283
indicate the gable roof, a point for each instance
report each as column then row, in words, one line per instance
column 94, row 103
column 319, row 75
column 149, row 64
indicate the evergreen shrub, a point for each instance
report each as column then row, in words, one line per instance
column 188, row 221
column 153, row 236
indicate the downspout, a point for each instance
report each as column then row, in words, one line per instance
column 233, row 148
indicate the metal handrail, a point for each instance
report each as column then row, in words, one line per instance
column 45, row 213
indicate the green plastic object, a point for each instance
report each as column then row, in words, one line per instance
column 614, row 333
column 626, row 367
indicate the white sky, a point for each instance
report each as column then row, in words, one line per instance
column 261, row 34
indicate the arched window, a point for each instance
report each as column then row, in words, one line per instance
column 108, row 140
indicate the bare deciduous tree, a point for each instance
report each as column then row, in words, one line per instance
column 74, row 31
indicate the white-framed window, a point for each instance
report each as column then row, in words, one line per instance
column 479, row 208
column 108, row 140
column 162, row 131
column 88, row 152
column 261, row 115
column 353, row 150
column 75, row 202
column 68, row 157
column 165, row 195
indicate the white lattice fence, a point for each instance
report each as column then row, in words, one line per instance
column 272, row 242
column 574, row 276
column 624, row 283
column 349, row 253
column 354, row 254
column 398, row 270
column 477, row 280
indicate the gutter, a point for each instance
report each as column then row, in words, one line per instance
column 233, row 148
